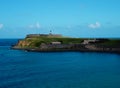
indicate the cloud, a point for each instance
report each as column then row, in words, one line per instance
column 38, row 25
column 94, row 26
column 1, row 26
column 35, row 26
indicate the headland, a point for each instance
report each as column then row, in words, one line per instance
column 57, row 42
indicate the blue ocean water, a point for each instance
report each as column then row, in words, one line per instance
column 20, row 69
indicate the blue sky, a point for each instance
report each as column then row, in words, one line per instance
column 76, row 18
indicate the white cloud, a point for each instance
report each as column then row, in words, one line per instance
column 94, row 26
column 1, row 26
column 37, row 26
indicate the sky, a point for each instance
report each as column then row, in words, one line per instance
column 75, row 18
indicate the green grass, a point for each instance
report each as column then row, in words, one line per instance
column 111, row 43
column 37, row 41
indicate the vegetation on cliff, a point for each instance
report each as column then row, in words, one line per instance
column 37, row 41
column 60, row 43
column 112, row 43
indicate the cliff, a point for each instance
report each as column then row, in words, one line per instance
column 46, row 40
column 47, row 43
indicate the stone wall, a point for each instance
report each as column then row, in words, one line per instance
column 43, row 35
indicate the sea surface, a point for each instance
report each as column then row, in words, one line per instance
column 21, row 69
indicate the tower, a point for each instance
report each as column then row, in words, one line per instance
column 50, row 32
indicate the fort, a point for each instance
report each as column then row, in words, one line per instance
column 57, row 42
column 43, row 35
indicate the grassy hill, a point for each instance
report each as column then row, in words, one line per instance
column 37, row 41
column 45, row 43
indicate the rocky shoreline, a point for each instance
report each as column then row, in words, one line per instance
column 59, row 43
column 74, row 47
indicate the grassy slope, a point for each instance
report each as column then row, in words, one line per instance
column 111, row 43
column 35, row 42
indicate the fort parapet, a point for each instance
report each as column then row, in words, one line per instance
column 43, row 35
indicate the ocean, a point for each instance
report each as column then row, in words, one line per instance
column 21, row 69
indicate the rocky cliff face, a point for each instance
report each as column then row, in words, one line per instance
column 23, row 43
column 45, row 43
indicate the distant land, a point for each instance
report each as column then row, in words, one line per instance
column 56, row 42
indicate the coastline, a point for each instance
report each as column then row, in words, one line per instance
column 59, row 43
column 83, row 49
